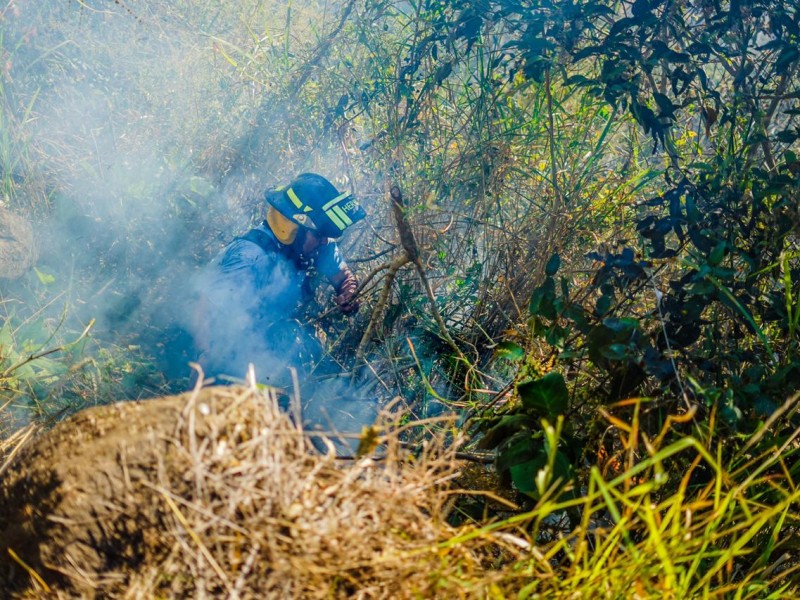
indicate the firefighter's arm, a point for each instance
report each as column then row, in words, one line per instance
column 345, row 284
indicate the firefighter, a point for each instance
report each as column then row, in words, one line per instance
column 251, row 294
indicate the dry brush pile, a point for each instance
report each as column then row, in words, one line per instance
column 217, row 492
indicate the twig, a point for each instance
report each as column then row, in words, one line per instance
column 321, row 51
column 44, row 353
column 380, row 306
column 479, row 412
column 669, row 346
column 412, row 252
column 357, row 294
column 552, row 143
column 373, row 257
column 483, row 459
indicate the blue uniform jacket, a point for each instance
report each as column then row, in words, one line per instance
column 248, row 299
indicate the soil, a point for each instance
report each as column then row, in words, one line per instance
column 81, row 499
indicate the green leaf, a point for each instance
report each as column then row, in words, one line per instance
column 542, row 300
column 622, row 326
column 24, row 373
column 700, row 288
column 516, row 450
column 507, row 427
column 47, row 367
column 788, row 136
column 603, row 305
column 553, row 265
column 524, row 474
column 717, row 254
column 665, row 105
column 44, row 278
column 615, row 351
column 509, row 351
column 556, row 336
column 731, row 415
column 547, row 395
column 563, row 471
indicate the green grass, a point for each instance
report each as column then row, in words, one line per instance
column 679, row 522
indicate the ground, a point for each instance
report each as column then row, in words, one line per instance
column 79, row 499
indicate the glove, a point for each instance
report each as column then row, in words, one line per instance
column 346, row 299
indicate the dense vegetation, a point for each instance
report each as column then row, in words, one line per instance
column 595, row 261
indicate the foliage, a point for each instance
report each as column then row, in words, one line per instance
column 47, row 373
column 702, row 313
column 604, row 200
column 704, row 310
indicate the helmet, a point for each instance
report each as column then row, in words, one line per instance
column 311, row 201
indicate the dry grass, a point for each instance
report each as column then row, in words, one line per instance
column 217, row 493
column 11, row 443
column 267, row 517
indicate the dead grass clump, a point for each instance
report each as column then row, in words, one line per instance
column 224, row 496
column 268, row 517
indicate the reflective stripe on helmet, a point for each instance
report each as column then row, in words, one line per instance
column 343, row 215
column 335, row 213
column 336, row 200
column 333, row 216
column 293, row 197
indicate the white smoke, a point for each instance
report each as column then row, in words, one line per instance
column 154, row 139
